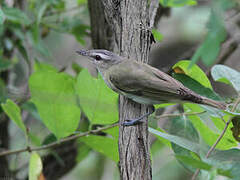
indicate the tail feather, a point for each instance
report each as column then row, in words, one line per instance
column 213, row 103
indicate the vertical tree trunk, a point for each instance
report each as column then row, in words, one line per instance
column 129, row 20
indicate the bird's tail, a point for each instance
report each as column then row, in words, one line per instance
column 213, row 103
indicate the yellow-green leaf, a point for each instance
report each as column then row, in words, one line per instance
column 14, row 113
column 194, row 72
column 35, row 166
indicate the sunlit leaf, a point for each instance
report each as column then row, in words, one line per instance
column 194, row 72
column 83, row 151
column 157, row 35
column 35, row 167
column 210, row 127
column 98, row 102
column 14, row 113
column 81, row 2
column 105, row 145
column 53, row 95
column 177, row 3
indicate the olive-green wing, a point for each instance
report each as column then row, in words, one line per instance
column 143, row 80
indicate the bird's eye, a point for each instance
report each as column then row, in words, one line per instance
column 98, row 57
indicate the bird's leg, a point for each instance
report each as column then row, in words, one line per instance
column 132, row 122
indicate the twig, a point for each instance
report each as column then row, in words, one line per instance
column 219, row 138
column 4, row 153
column 54, row 144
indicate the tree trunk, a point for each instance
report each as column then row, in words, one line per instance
column 129, row 20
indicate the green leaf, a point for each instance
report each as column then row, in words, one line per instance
column 41, row 11
column 98, row 102
column 114, row 132
column 44, row 67
column 2, row 17
column 54, row 96
column 14, row 113
column 23, row 51
column 194, row 72
column 189, row 145
column 182, row 127
column 35, row 139
column 31, row 108
column 36, row 42
column 226, row 75
column 201, row 165
column 83, row 151
column 177, row 3
column 210, row 48
column 228, row 161
column 3, row 92
column 5, row 64
column 76, row 68
column 157, row 106
column 16, row 15
column 157, row 35
column 81, row 2
column 210, row 127
column 35, row 166
column 196, row 86
column 161, row 139
column 50, row 138
column 105, row 145
column 194, row 162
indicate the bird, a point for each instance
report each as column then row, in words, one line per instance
column 141, row 82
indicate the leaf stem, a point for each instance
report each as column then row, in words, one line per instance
column 57, row 143
column 219, row 137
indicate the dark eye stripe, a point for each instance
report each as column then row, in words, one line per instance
column 97, row 57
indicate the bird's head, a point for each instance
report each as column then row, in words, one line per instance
column 103, row 59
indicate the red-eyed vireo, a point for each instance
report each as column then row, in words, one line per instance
column 141, row 82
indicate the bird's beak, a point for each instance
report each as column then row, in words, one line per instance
column 83, row 52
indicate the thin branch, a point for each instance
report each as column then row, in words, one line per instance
column 153, row 11
column 54, row 144
column 219, row 138
column 57, row 143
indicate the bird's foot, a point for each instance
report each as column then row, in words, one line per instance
column 132, row 122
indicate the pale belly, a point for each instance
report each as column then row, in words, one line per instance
column 142, row 100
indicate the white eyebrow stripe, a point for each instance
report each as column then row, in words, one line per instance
column 103, row 56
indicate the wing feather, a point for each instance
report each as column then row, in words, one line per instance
column 142, row 80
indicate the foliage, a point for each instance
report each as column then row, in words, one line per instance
column 177, row 3
column 210, row 48
column 35, row 166
column 66, row 104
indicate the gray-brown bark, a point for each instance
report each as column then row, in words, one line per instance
column 130, row 23
column 101, row 31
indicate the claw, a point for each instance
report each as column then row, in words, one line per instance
column 132, row 122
